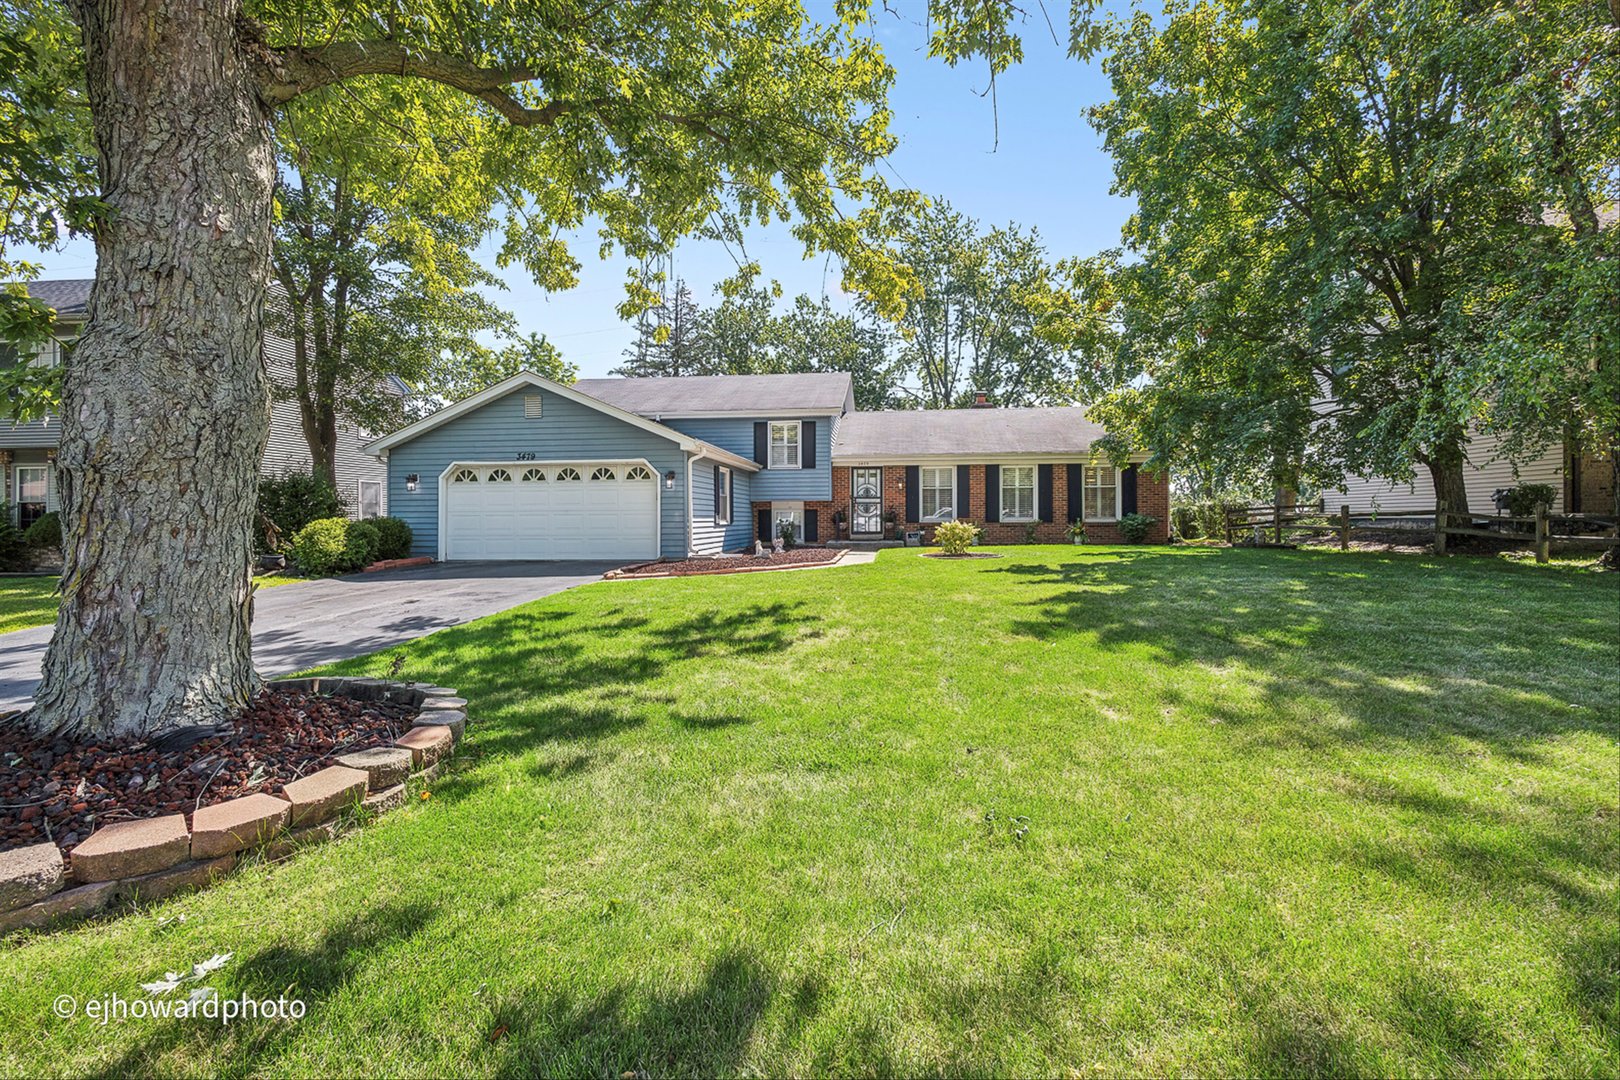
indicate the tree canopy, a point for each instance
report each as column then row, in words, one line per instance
column 1352, row 244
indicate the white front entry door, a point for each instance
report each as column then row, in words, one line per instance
column 546, row 510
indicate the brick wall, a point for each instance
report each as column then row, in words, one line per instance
column 1152, row 497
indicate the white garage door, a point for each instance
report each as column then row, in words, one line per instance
column 583, row 510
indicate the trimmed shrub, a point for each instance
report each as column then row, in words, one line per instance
column 45, row 532
column 333, row 546
column 955, row 537
column 291, row 501
column 1134, row 527
column 11, row 540
column 364, row 541
column 396, row 537
column 1521, row 501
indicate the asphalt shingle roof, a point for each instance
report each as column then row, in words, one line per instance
column 1063, row 430
column 757, row 395
column 68, row 296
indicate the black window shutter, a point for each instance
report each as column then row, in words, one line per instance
column 992, row 493
column 1043, row 489
column 1077, row 492
column 913, row 493
column 810, row 534
column 964, row 491
column 1127, row 496
column 763, row 520
column 762, row 444
column 716, row 494
column 807, row 444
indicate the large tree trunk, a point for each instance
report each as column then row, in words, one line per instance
column 1447, row 463
column 165, row 404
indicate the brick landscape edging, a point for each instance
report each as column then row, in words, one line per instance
column 151, row 858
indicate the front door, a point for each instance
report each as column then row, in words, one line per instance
column 866, row 487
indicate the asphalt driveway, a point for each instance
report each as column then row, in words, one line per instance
column 316, row 622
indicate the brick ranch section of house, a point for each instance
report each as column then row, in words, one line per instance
column 890, row 450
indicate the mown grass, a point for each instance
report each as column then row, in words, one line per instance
column 1074, row 811
column 32, row 601
column 27, row 601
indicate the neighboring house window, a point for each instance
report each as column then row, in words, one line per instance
column 722, row 496
column 32, row 487
column 938, row 492
column 785, row 444
column 370, row 498
column 1018, row 493
column 1101, row 501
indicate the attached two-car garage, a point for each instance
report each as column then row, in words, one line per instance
column 550, row 510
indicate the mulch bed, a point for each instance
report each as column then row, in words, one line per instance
column 58, row 789
column 729, row 564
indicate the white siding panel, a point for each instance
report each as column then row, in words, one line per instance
column 1488, row 470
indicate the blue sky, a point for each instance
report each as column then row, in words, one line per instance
column 1048, row 172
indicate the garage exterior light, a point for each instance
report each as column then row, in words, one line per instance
column 669, row 480
column 411, row 480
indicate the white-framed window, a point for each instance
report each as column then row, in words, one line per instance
column 464, row 476
column 567, row 476
column 32, row 486
column 638, row 472
column 500, row 476
column 785, row 444
column 1100, row 501
column 1018, row 493
column 532, row 476
column 787, row 511
column 371, row 496
column 938, row 482
column 722, row 496
column 603, row 473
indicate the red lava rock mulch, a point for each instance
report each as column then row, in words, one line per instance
column 729, row 564
column 57, row 789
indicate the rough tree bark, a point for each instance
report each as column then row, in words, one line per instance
column 1447, row 463
column 165, row 403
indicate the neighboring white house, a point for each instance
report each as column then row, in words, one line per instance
column 1488, row 470
column 27, row 451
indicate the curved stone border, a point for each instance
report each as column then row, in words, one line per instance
column 151, row 858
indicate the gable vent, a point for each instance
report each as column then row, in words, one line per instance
column 531, row 406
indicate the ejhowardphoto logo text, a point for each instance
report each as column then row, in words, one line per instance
column 202, row 1006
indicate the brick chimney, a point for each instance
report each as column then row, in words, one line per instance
column 981, row 400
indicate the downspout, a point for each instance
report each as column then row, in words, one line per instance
column 691, row 459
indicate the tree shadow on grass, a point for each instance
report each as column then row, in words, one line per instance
column 1409, row 648
column 703, row 1030
column 312, row 974
column 546, row 677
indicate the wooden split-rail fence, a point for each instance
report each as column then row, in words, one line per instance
column 1543, row 529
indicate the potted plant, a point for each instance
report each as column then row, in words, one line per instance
column 789, row 532
column 891, row 524
column 1077, row 532
column 841, row 523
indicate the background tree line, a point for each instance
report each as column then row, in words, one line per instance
column 989, row 311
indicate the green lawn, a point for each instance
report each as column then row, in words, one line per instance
column 31, row 601
column 26, row 601
column 1074, row 811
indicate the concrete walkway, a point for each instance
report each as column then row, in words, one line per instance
column 317, row 622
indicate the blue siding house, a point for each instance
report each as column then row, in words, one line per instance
column 617, row 468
